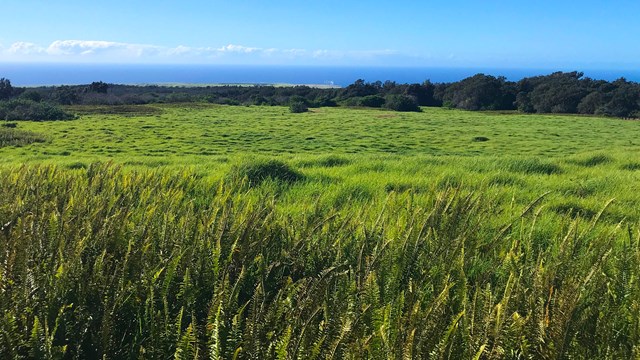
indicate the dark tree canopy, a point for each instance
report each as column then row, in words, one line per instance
column 480, row 92
column 401, row 103
column 6, row 90
column 98, row 87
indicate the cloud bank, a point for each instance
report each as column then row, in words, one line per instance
column 118, row 52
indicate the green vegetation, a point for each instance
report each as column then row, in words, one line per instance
column 298, row 107
column 25, row 109
column 559, row 92
column 206, row 231
column 257, row 172
column 10, row 136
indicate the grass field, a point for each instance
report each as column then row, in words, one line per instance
column 584, row 162
column 199, row 231
column 191, row 131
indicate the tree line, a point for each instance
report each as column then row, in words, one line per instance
column 559, row 92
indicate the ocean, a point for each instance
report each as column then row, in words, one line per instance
column 31, row 74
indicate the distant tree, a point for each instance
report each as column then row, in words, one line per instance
column 298, row 107
column 325, row 101
column 401, row 103
column 300, row 99
column 66, row 95
column 31, row 95
column 360, row 88
column 22, row 109
column 481, row 92
column 6, row 90
column 98, row 87
column 374, row 101
column 625, row 100
column 592, row 103
column 557, row 93
column 388, row 86
column 423, row 93
column 523, row 103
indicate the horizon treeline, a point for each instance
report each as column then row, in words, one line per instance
column 559, row 92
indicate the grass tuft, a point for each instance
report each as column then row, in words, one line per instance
column 532, row 166
column 594, row 160
column 10, row 136
column 258, row 171
column 327, row 161
column 632, row 166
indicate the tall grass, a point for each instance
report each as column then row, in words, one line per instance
column 15, row 137
column 106, row 263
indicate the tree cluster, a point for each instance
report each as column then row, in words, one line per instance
column 559, row 92
column 22, row 104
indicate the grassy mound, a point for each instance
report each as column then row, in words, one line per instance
column 258, row 171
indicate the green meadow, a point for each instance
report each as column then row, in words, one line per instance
column 218, row 232
column 582, row 161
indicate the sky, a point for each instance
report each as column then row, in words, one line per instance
column 457, row 33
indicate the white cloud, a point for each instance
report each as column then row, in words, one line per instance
column 239, row 49
column 108, row 51
column 86, row 48
column 25, row 48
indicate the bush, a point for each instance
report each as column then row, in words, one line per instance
column 31, row 95
column 374, row 101
column 21, row 109
column 401, row 103
column 257, row 172
column 325, row 102
column 298, row 107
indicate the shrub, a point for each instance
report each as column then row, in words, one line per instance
column 31, row 95
column 21, row 109
column 401, row 103
column 259, row 171
column 374, row 101
column 325, row 102
column 298, row 107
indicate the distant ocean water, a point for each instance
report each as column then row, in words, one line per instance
column 72, row 74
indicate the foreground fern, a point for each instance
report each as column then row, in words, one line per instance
column 106, row 263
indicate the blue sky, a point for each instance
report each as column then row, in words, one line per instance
column 459, row 33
